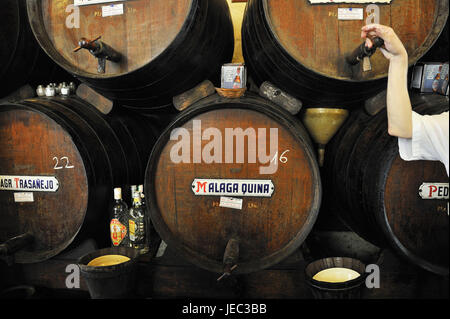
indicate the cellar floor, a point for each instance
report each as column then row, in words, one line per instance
column 169, row 276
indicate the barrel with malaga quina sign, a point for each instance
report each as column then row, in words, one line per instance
column 233, row 182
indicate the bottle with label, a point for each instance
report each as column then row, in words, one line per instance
column 444, row 86
column 137, row 225
column 133, row 188
column 237, row 80
column 141, row 193
column 436, row 80
column 149, row 230
column 118, row 222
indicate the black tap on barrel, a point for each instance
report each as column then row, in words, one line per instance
column 230, row 258
column 100, row 50
column 363, row 51
column 9, row 247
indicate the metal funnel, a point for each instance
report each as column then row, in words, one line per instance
column 322, row 124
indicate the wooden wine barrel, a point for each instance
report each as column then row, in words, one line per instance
column 166, row 46
column 60, row 160
column 440, row 51
column 302, row 47
column 378, row 192
column 22, row 60
column 206, row 156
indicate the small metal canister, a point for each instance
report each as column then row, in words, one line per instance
column 40, row 91
column 50, row 90
column 65, row 90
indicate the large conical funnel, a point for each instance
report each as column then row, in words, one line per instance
column 322, row 124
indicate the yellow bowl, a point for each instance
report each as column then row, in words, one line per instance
column 336, row 274
column 108, row 260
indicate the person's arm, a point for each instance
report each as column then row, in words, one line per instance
column 399, row 111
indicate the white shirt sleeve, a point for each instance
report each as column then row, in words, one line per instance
column 430, row 139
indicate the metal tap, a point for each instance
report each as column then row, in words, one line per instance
column 230, row 258
column 9, row 247
column 99, row 50
column 363, row 52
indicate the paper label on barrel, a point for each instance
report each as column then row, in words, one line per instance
column 23, row 197
column 231, row 202
column 89, row 2
column 233, row 187
column 350, row 13
column 29, row 183
column 434, row 191
column 112, row 10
